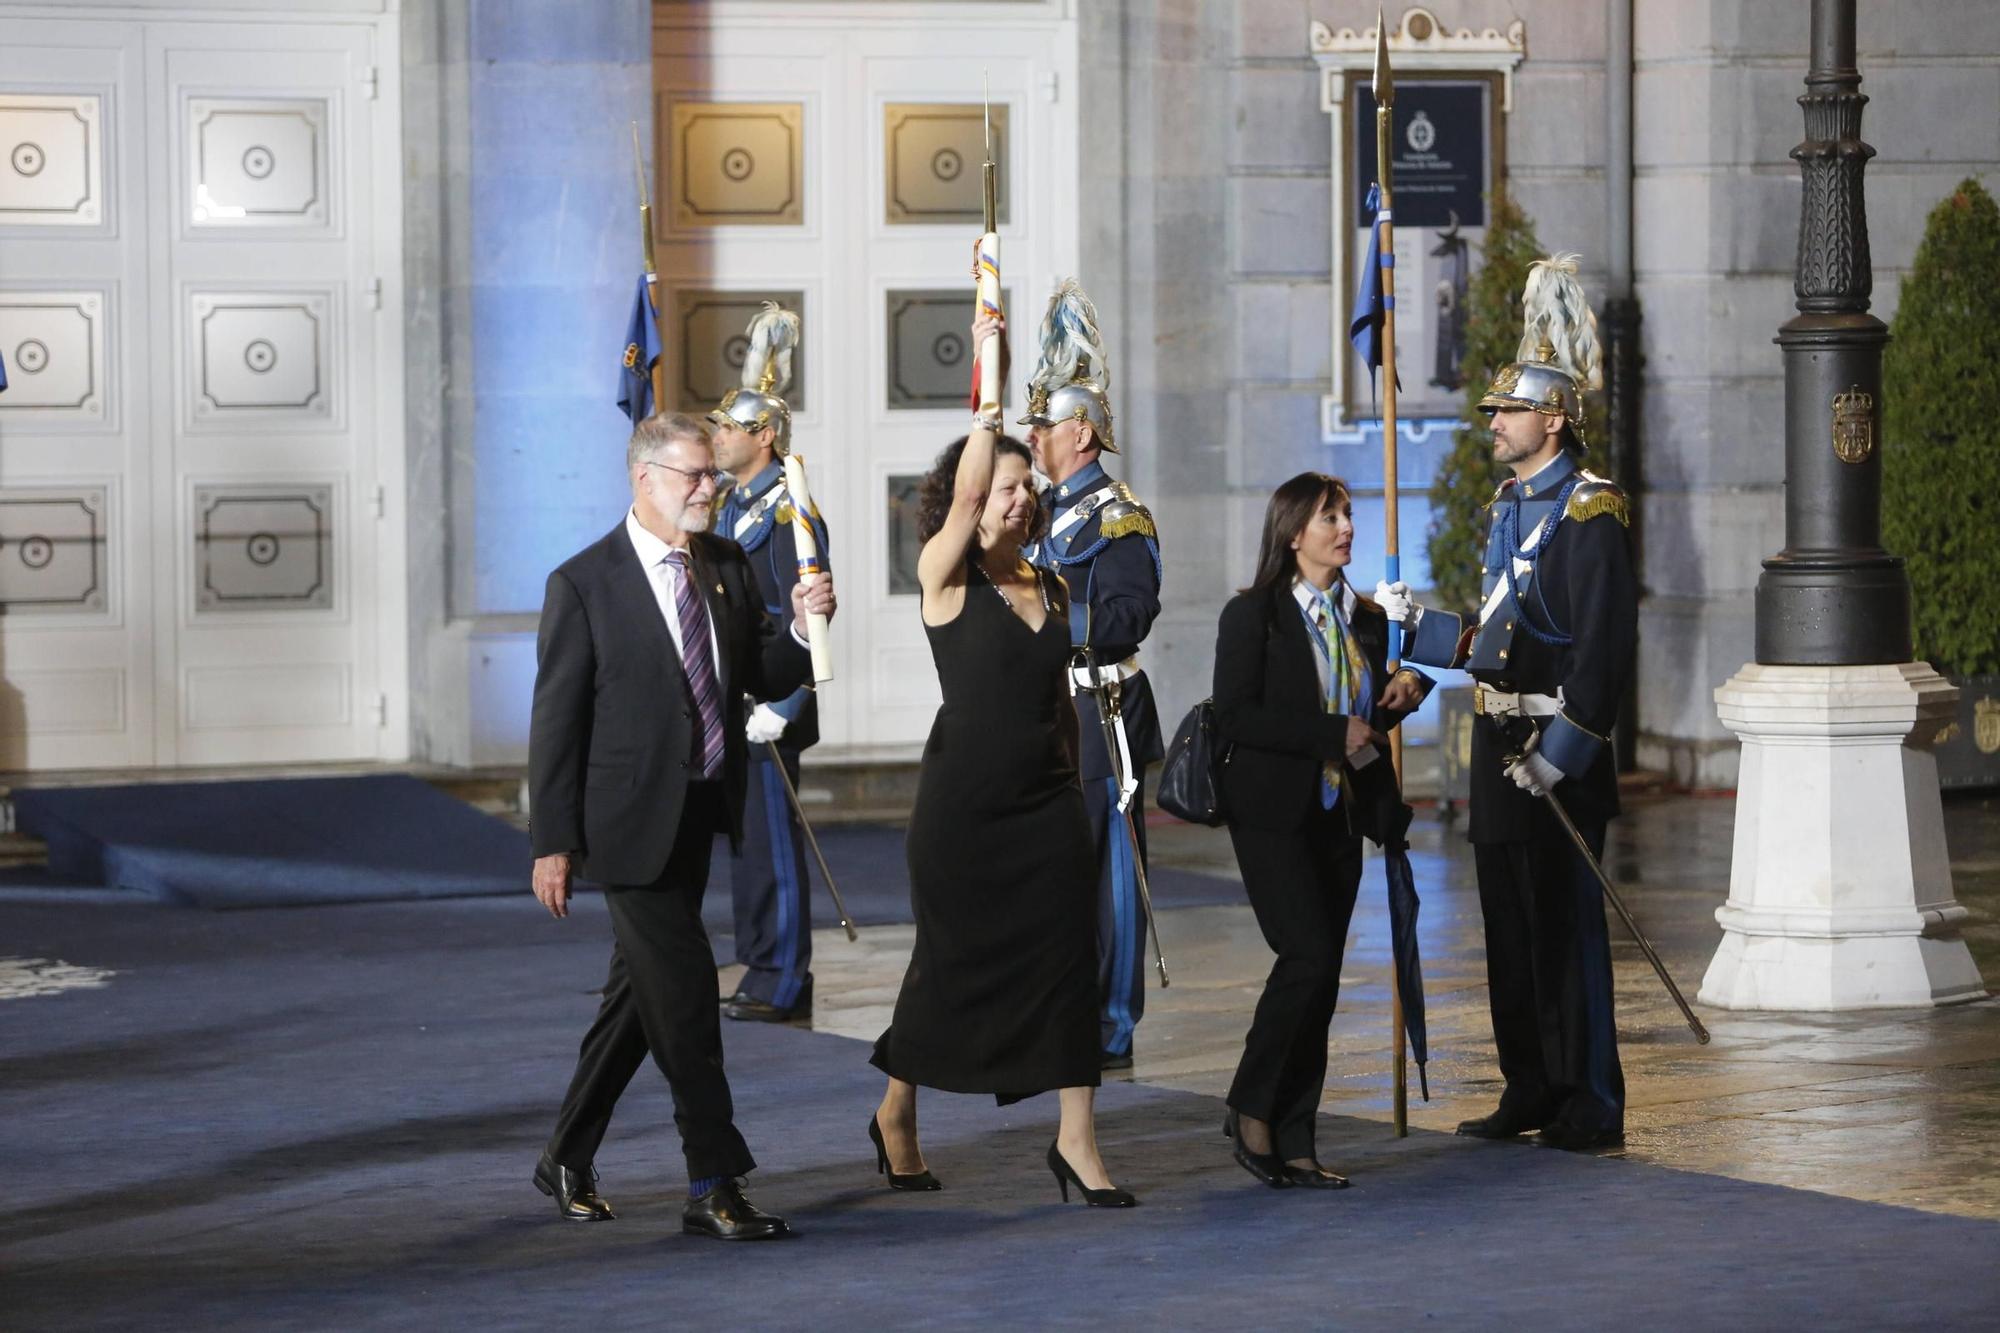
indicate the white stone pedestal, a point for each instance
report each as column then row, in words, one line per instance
column 1839, row 888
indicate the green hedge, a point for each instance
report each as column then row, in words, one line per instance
column 1941, row 434
column 1456, row 539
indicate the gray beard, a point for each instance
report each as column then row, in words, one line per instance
column 696, row 520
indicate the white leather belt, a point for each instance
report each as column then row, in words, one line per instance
column 1094, row 681
column 1113, row 673
column 1489, row 702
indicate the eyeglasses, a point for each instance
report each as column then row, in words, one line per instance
column 713, row 476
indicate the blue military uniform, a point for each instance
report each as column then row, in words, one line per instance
column 768, row 880
column 1551, row 650
column 1103, row 543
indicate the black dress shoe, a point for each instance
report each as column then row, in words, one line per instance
column 575, row 1192
column 1502, row 1124
column 1268, row 1167
column 748, row 1008
column 1110, row 1060
column 1315, row 1177
column 726, row 1214
column 1575, row 1138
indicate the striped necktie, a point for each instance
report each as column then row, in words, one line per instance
column 1344, row 672
column 698, row 662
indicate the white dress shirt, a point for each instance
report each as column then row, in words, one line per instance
column 665, row 577
column 1305, row 594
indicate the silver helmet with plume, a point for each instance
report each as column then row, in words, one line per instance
column 1558, row 360
column 1073, row 381
column 767, row 373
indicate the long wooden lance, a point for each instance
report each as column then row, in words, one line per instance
column 986, row 368
column 1385, row 246
column 659, row 372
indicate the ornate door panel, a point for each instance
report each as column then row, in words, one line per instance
column 192, row 444
column 836, row 162
column 76, row 440
column 267, row 304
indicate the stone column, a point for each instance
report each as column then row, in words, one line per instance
column 1839, row 887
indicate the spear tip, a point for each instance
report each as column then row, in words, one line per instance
column 1384, row 86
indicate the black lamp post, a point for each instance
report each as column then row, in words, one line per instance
column 1833, row 596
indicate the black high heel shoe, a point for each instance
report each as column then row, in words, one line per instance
column 1066, row 1176
column 919, row 1181
column 1268, row 1167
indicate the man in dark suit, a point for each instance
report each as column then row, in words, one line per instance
column 650, row 639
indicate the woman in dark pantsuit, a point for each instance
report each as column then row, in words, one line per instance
column 1300, row 692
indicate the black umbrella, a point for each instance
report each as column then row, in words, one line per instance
column 1391, row 828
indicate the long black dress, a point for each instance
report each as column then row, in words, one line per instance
column 1001, row 995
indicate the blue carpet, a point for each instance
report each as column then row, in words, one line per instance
column 275, row 843
column 306, row 841
column 326, row 1119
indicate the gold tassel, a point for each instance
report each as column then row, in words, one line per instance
column 1124, row 525
column 1603, row 502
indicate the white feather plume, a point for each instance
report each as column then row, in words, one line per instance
column 1558, row 313
column 1072, row 348
column 773, row 333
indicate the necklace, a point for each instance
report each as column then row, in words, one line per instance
column 1002, row 592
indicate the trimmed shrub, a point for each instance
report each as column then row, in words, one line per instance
column 1941, row 434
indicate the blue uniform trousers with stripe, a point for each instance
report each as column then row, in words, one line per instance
column 1121, row 916
column 769, row 888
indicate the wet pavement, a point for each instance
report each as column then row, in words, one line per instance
column 1893, row 1106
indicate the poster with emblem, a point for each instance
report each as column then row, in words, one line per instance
column 1445, row 159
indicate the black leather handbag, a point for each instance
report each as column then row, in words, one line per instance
column 1191, row 779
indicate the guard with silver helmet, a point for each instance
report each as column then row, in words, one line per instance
column 1551, row 654
column 1104, row 544
column 753, row 434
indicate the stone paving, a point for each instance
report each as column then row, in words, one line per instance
column 1895, row 1106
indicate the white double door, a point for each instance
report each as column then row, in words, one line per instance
column 200, row 456
column 881, row 106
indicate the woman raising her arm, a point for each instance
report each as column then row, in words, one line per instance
column 1300, row 663
column 1001, row 993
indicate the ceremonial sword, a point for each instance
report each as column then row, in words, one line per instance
column 1107, row 721
column 1611, row 892
column 812, row 840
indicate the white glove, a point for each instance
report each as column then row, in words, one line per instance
column 764, row 724
column 1397, row 604
column 1532, row 772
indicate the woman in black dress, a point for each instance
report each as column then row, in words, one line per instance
column 1001, row 994
column 1300, row 690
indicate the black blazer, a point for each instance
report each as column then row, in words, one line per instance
column 1269, row 708
column 611, row 742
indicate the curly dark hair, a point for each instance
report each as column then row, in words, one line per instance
column 934, row 494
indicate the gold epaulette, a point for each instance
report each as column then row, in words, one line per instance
column 1593, row 496
column 1123, row 515
column 1499, row 491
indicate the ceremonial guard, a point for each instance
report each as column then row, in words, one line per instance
column 1103, row 543
column 753, row 428
column 1551, row 653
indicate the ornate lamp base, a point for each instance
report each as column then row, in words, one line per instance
column 1839, row 885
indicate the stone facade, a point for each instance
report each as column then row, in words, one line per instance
column 1205, row 200
column 1217, row 230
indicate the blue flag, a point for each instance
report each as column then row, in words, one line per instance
column 642, row 349
column 1370, row 301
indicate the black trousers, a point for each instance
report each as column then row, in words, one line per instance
column 660, row 997
column 1301, row 885
column 1548, row 969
